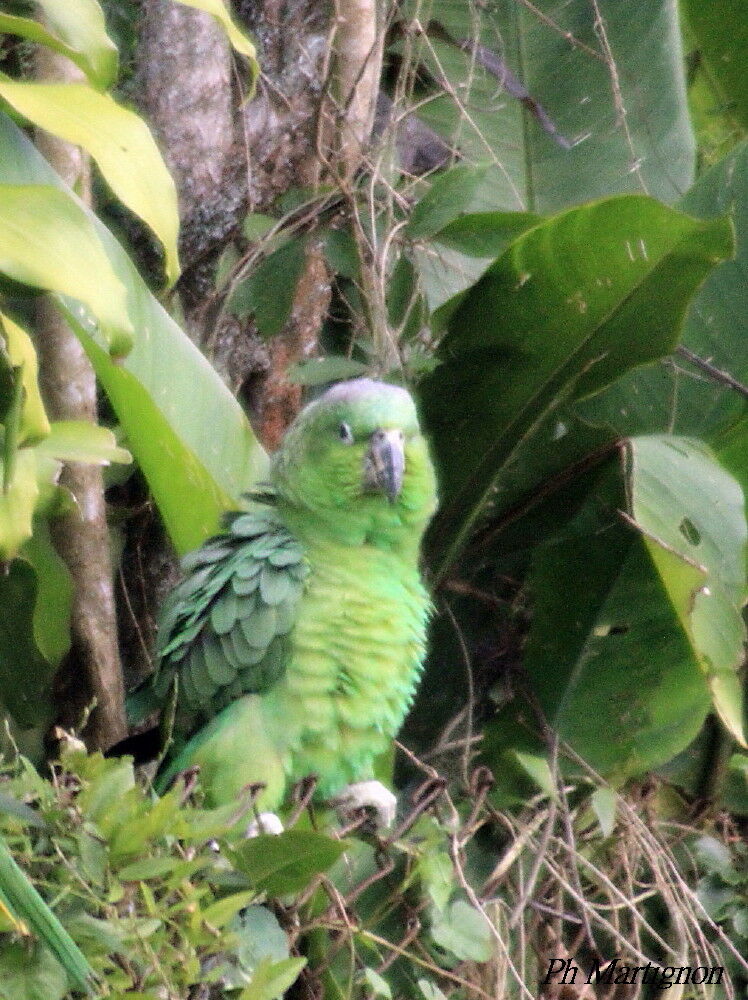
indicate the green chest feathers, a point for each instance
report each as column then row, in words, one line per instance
column 357, row 652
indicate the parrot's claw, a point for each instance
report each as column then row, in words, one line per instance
column 265, row 823
column 368, row 795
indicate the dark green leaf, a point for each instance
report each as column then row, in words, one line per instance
column 571, row 305
column 319, row 371
column 619, row 140
column 464, row 932
column 341, row 253
column 25, row 693
column 30, row 974
column 268, row 292
column 485, row 234
column 447, row 198
column 720, row 29
column 286, row 863
column 679, row 396
column 272, row 979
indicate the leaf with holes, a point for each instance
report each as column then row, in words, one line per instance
column 557, row 101
column 685, row 503
column 573, row 304
column 636, row 631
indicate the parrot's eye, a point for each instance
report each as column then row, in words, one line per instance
column 345, row 433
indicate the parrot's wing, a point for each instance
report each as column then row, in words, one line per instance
column 224, row 630
column 22, row 902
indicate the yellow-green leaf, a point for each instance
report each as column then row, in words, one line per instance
column 34, row 423
column 80, row 441
column 76, row 29
column 81, row 24
column 238, row 39
column 120, row 143
column 271, row 979
column 46, row 240
column 222, row 910
column 17, row 504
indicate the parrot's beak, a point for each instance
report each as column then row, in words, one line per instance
column 384, row 464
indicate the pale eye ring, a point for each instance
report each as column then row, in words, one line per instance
column 345, row 433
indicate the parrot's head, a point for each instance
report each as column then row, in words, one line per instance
column 356, row 462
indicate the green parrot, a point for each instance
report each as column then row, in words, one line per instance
column 26, row 908
column 294, row 645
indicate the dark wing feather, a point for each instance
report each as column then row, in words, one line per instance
column 224, row 631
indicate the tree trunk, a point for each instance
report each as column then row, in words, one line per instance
column 92, row 670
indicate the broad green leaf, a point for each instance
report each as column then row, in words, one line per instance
column 444, row 275
column 20, row 351
column 678, row 396
column 239, row 41
column 288, row 862
column 571, row 305
column 268, row 292
column 594, row 100
column 256, row 225
column 430, row 991
column 18, row 503
column 105, row 782
column 28, row 816
column 318, row 371
column 261, row 937
column 79, row 441
column 272, row 979
column 47, row 240
column 449, row 196
column 30, row 973
column 342, row 253
column 603, row 801
column 716, row 858
column 732, row 450
column 608, row 657
column 76, row 29
column 25, row 694
column 219, row 913
column 464, row 932
column 735, row 791
column 190, row 489
column 720, row 29
column 54, row 595
column 131, row 835
column 437, row 875
column 686, row 504
column 120, row 143
column 12, row 426
column 538, row 770
column 460, row 253
column 183, row 426
column 717, row 323
column 637, row 633
column 485, row 234
column 158, row 868
column 376, row 985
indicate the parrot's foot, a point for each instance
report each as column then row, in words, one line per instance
column 370, row 795
column 265, row 823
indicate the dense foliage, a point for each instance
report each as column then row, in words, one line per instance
column 566, row 296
